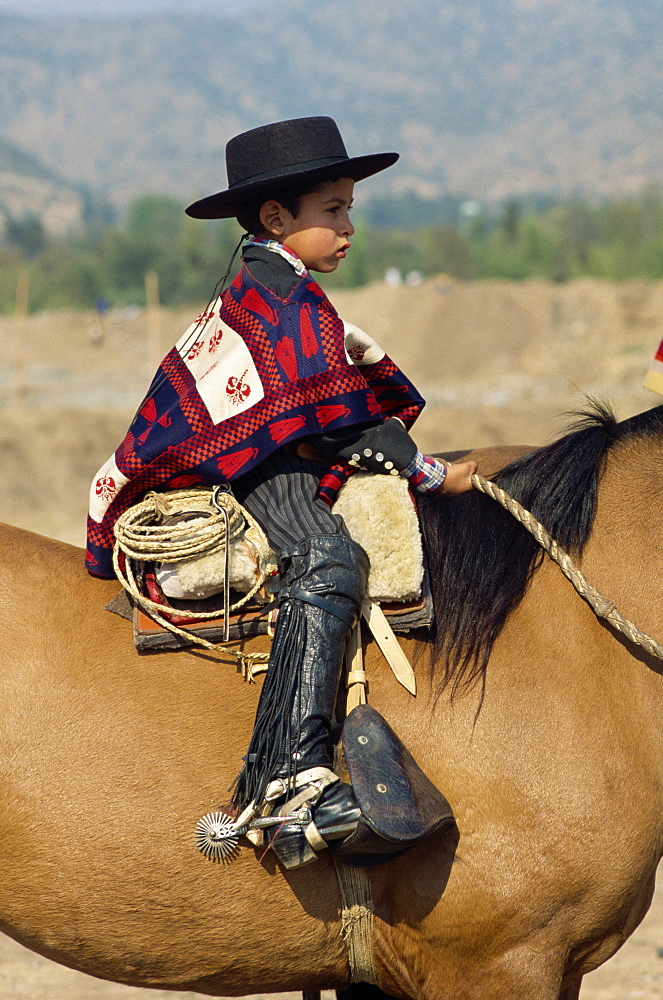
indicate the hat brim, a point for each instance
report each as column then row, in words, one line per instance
column 224, row 204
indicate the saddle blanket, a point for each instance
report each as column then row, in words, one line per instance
column 381, row 516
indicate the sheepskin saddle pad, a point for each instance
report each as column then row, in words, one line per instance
column 380, row 515
column 378, row 512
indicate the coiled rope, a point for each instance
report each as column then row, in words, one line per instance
column 143, row 537
column 601, row 607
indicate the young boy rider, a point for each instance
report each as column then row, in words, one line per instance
column 266, row 381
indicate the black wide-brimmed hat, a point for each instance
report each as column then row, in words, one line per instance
column 297, row 151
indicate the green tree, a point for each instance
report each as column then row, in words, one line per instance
column 28, row 233
column 155, row 221
column 511, row 220
column 448, row 251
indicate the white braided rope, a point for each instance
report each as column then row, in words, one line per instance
column 142, row 537
column 601, row 607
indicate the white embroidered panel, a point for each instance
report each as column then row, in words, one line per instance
column 105, row 486
column 226, row 378
column 360, row 349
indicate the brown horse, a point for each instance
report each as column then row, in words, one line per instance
column 541, row 726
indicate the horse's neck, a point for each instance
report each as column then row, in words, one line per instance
column 625, row 550
column 623, row 558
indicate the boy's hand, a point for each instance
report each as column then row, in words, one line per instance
column 458, row 476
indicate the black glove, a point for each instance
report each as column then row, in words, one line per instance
column 385, row 448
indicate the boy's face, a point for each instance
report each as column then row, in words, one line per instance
column 320, row 235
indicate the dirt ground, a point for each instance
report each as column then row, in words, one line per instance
column 499, row 363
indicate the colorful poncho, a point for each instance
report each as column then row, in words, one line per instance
column 252, row 374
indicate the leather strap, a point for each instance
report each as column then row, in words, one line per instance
column 309, row 597
column 357, row 678
column 315, row 838
column 388, row 643
column 311, row 785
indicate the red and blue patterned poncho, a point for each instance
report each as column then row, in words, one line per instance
column 252, row 374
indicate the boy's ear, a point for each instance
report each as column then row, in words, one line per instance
column 272, row 218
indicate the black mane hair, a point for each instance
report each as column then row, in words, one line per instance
column 481, row 560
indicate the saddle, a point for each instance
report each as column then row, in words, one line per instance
column 380, row 514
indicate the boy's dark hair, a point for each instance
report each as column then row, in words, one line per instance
column 289, row 195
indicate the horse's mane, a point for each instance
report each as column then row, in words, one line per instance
column 481, row 559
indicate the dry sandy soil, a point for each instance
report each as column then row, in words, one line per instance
column 499, row 363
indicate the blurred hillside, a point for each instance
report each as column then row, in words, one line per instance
column 28, row 188
column 491, row 98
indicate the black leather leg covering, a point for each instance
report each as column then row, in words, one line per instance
column 391, row 805
column 323, row 582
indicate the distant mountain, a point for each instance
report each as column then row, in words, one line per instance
column 483, row 97
column 124, row 8
column 28, row 188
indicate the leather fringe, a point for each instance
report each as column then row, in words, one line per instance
column 273, row 741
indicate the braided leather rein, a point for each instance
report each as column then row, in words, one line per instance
column 601, row 607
